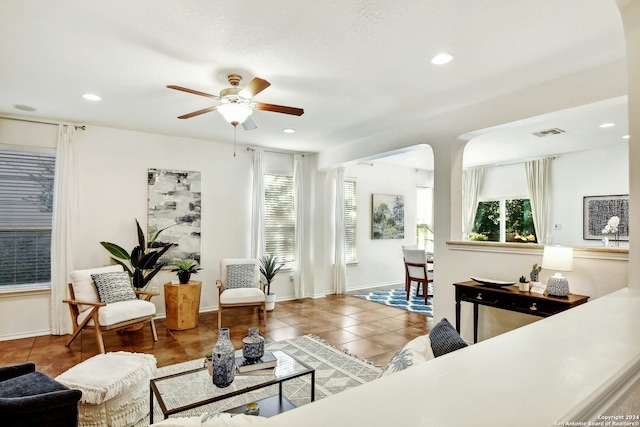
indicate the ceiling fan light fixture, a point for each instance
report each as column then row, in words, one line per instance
column 235, row 113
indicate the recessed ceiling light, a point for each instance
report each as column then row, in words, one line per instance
column 607, row 125
column 289, row 130
column 23, row 107
column 442, row 58
column 91, row 97
column 625, row 137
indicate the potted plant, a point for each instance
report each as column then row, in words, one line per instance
column 269, row 267
column 185, row 268
column 139, row 260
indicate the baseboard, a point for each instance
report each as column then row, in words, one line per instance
column 22, row 335
column 378, row 285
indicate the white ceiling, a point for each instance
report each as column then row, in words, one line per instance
column 354, row 66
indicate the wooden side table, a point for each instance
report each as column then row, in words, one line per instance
column 182, row 304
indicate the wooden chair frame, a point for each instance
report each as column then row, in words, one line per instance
column 419, row 280
column 100, row 329
column 259, row 304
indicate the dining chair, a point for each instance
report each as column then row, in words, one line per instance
column 416, row 269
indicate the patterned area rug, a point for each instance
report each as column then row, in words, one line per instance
column 398, row 298
column 336, row 371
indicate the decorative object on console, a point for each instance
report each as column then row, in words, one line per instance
column 535, row 271
column 175, row 196
column 185, row 268
column 492, row 282
column 524, row 284
column 559, row 258
column 139, row 259
column 253, row 345
column 223, row 355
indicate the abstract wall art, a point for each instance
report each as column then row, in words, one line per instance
column 174, row 201
column 597, row 212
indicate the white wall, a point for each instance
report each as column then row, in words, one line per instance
column 113, row 167
column 380, row 261
column 573, row 176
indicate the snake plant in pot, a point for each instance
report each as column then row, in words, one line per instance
column 269, row 267
column 142, row 265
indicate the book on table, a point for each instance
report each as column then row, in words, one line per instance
column 268, row 360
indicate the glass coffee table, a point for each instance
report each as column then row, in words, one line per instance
column 190, row 389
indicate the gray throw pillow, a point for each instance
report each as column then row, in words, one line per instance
column 113, row 287
column 240, row 276
column 445, row 338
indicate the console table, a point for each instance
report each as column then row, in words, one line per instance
column 512, row 299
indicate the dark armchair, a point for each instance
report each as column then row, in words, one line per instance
column 30, row 398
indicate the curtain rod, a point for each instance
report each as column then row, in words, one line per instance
column 78, row 127
column 275, row 152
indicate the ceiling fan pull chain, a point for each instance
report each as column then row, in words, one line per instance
column 235, row 128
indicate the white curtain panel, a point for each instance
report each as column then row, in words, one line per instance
column 538, row 184
column 340, row 262
column 257, row 207
column 64, row 218
column 471, row 182
column 298, row 284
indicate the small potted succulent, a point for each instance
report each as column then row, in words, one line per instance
column 185, row 268
column 524, row 284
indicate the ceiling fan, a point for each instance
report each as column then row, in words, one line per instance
column 237, row 105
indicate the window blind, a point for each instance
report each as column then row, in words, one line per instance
column 26, row 205
column 279, row 221
column 350, row 220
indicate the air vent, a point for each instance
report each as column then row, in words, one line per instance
column 548, row 132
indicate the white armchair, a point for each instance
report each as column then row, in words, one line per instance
column 103, row 298
column 240, row 285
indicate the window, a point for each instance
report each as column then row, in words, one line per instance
column 350, row 220
column 279, row 221
column 26, row 205
column 506, row 220
column 424, row 218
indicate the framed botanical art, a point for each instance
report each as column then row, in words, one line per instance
column 598, row 212
column 387, row 216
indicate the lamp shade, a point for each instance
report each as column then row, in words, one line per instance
column 558, row 258
column 235, row 113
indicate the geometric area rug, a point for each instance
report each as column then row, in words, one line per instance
column 335, row 371
column 398, row 298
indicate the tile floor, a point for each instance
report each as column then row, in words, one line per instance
column 367, row 329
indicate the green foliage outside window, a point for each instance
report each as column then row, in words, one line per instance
column 518, row 221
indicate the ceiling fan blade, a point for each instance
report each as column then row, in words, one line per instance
column 279, row 109
column 195, row 92
column 249, row 124
column 254, row 87
column 197, row 113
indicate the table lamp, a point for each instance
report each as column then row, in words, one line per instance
column 558, row 258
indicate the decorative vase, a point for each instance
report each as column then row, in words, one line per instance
column 223, row 355
column 605, row 241
column 253, row 345
column 184, row 276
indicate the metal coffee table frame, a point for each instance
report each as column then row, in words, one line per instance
column 288, row 368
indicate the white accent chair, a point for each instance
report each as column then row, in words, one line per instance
column 240, row 285
column 87, row 310
column 416, row 270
